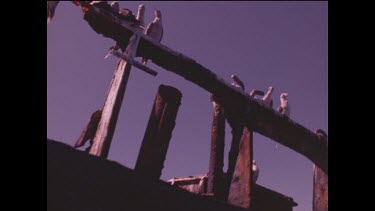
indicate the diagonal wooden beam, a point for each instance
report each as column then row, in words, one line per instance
column 252, row 113
column 111, row 109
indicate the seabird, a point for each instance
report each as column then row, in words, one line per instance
column 141, row 15
column 125, row 14
column 284, row 107
column 256, row 92
column 51, row 7
column 255, row 171
column 115, row 5
column 237, row 82
column 154, row 30
column 267, row 97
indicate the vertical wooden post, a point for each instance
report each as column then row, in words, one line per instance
column 237, row 130
column 150, row 161
column 215, row 172
column 106, row 128
column 320, row 191
column 240, row 188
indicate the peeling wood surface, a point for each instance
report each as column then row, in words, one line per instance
column 158, row 133
column 249, row 111
column 110, row 111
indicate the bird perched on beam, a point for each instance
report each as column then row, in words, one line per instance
column 154, row 30
column 237, row 82
column 126, row 13
column 141, row 15
column 115, row 6
column 267, row 97
column 284, row 107
column 256, row 92
column 51, row 7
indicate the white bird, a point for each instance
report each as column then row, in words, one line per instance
column 115, row 5
column 51, row 7
column 284, row 107
column 141, row 15
column 154, row 30
column 267, row 97
column 255, row 171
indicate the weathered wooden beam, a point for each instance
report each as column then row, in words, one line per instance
column 159, row 130
column 216, row 163
column 252, row 113
column 241, row 184
column 134, row 63
column 110, row 111
column 320, row 191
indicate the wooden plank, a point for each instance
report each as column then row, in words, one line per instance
column 241, row 184
column 111, row 110
column 150, row 161
column 216, row 162
column 252, row 113
column 134, row 63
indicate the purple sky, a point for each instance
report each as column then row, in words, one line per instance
column 283, row 44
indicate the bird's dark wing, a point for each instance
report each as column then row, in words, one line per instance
column 162, row 33
column 149, row 28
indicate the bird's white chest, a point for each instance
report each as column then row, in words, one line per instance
column 284, row 103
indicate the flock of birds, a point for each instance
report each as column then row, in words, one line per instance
column 155, row 31
column 283, row 108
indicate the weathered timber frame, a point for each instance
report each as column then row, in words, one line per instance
column 249, row 111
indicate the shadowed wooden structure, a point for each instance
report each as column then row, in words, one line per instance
column 158, row 133
column 250, row 112
column 241, row 111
